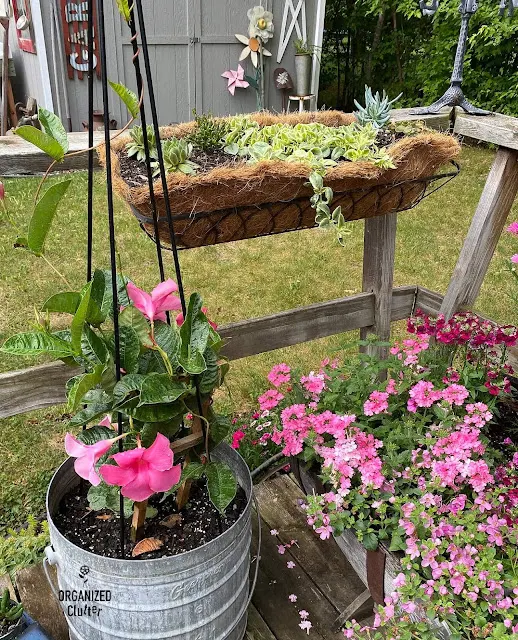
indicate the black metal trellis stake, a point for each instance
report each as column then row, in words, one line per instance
column 111, row 226
column 154, row 116
column 90, row 40
column 143, row 122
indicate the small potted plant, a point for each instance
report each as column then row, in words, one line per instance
column 11, row 617
column 304, row 53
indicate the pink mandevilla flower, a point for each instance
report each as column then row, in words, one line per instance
column 155, row 304
column 180, row 319
column 141, row 472
column 87, row 456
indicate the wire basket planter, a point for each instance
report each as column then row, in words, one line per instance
column 240, row 223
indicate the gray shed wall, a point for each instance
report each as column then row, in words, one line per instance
column 191, row 44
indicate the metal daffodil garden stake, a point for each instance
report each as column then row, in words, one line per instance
column 260, row 30
column 149, row 476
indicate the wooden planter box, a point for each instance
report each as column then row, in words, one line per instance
column 251, row 200
column 376, row 569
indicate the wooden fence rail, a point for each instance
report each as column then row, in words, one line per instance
column 372, row 311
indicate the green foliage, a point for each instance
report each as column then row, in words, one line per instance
column 315, row 144
column 52, row 139
column 127, row 96
column 391, row 45
column 136, row 146
column 208, row 132
column 377, row 109
column 176, row 157
column 21, row 548
column 43, row 215
column 107, row 497
column 9, row 613
column 303, row 48
column 124, row 8
column 221, row 484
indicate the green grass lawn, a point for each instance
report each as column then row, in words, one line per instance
column 237, row 281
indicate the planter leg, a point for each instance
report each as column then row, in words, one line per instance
column 352, row 610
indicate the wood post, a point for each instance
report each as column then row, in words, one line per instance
column 5, row 76
column 379, row 249
column 483, row 235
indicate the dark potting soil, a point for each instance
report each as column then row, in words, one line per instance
column 134, row 173
column 99, row 531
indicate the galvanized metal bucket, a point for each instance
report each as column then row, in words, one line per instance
column 303, row 66
column 198, row 595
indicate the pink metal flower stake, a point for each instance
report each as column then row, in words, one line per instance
column 235, row 79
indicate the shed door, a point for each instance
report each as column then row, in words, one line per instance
column 170, row 34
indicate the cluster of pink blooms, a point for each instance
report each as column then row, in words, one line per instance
column 513, row 228
column 409, row 350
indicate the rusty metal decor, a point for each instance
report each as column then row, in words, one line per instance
column 74, row 18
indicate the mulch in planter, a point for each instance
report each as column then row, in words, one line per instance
column 244, row 200
column 200, row 523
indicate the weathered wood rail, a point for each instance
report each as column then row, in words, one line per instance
column 371, row 311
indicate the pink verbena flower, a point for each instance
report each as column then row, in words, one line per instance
column 87, row 456
column 514, row 258
column 455, row 394
column 280, row 374
column 313, row 383
column 270, row 399
column 141, row 472
column 377, row 403
column 154, row 305
column 513, row 228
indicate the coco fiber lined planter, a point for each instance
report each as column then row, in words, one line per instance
column 247, row 200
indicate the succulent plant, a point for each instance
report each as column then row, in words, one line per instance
column 208, row 132
column 376, row 110
column 176, row 157
column 136, row 146
column 9, row 613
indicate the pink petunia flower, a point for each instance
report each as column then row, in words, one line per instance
column 155, row 304
column 143, row 471
column 87, row 456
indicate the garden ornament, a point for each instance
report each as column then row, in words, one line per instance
column 235, row 79
column 283, row 83
column 454, row 96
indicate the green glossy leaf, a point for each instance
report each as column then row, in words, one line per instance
column 169, row 429
column 93, row 347
column 156, row 412
column 128, row 97
column 83, row 383
column 65, row 302
column 102, row 292
column 219, row 427
column 167, row 338
column 95, row 434
column 53, row 127
column 78, row 321
column 37, row 343
column 210, row 379
column 43, row 215
column 41, row 140
column 221, row 484
column 90, row 413
column 129, row 349
column 132, row 317
column 127, row 388
column 194, row 333
column 159, row 388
